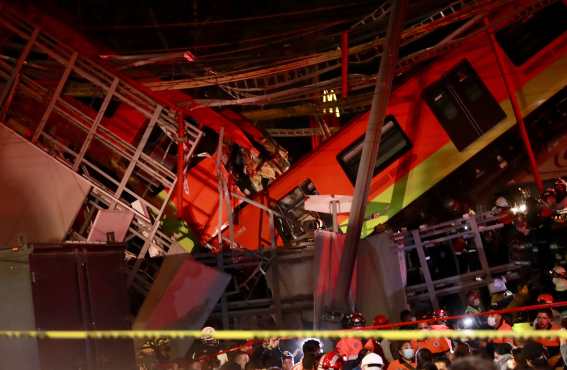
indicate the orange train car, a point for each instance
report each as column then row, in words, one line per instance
column 126, row 123
column 436, row 120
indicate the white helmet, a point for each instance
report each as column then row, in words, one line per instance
column 498, row 285
column 502, row 202
column 208, row 335
column 371, row 360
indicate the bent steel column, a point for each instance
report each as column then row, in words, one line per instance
column 515, row 105
column 370, row 151
column 180, row 162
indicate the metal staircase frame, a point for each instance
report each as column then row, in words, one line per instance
column 15, row 79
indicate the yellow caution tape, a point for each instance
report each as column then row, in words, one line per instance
column 258, row 334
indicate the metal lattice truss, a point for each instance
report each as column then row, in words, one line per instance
column 238, row 302
column 470, row 227
column 297, row 83
column 120, row 173
column 265, row 82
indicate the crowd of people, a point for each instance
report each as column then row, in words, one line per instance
column 428, row 354
column 546, row 284
column 533, row 230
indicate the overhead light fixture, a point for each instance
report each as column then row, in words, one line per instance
column 330, row 106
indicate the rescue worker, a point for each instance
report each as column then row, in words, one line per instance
column 331, row 361
column 502, row 209
column 372, row 361
column 405, row 356
column 349, row 348
column 544, row 321
column 496, row 321
column 439, row 347
column 206, row 347
column 548, row 299
column 497, row 244
column 474, row 306
column 376, row 344
column 441, row 320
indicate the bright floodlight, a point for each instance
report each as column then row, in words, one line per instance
column 468, row 322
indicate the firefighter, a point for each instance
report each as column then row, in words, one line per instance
column 206, row 347
column 405, row 356
column 544, row 321
column 349, row 348
column 474, row 306
column 496, row 321
column 439, row 347
column 331, row 361
column 547, row 298
column 372, row 361
column 377, row 345
column 441, row 320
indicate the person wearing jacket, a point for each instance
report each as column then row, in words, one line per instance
column 405, row 356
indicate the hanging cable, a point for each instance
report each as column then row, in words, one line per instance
column 233, row 20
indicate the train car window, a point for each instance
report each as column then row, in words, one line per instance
column 393, row 144
column 463, row 105
column 522, row 40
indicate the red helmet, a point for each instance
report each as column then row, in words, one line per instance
column 380, row 320
column 440, row 314
column 331, row 360
column 545, row 299
column 353, row 320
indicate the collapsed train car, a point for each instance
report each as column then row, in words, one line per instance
column 436, row 120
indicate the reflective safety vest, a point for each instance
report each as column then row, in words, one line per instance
column 435, row 345
column 397, row 365
column 349, row 348
column 504, row 327
column 550, row 342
